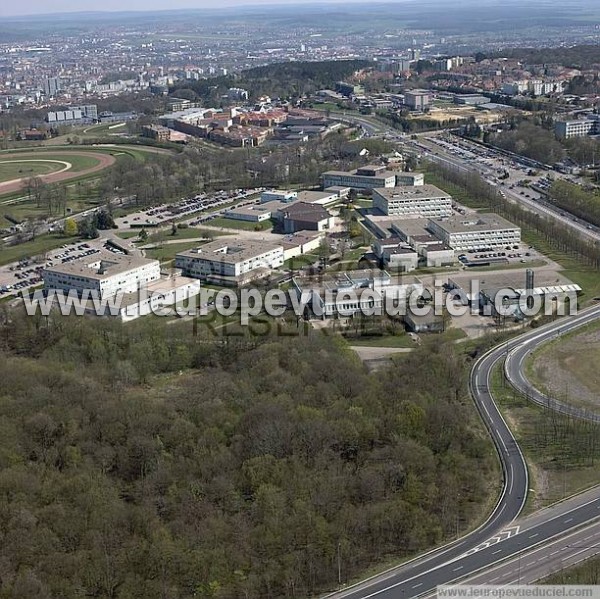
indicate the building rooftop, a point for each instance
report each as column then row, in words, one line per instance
column 314, row 196
column 306, row 212
column 231, row 250
column 378, row 173
column 409, row 192
column 251, row 210
column 100, row 266
column 474, row 222
column 410, row 227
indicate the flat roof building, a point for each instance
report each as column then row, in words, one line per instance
column 463, row 233
column 252, row 214
column 580, row 128
column 230, row 262
column 106, row 274
column 417, row 99
column 353, row 292
column 422, row 201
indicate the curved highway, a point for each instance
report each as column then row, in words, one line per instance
column 496, row 539
column 516, row 358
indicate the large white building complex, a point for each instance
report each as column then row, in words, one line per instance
column 231, row 262
column 422, row 201
column 476, row 232
column 104, row 275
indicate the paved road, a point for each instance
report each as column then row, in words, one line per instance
column 517, row 357
column 499, row 537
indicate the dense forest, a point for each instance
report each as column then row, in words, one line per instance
column 279, row 80
column 581, row 57
column 531, row 140
column 581, row 202
column 143, row 461
column 208, row 167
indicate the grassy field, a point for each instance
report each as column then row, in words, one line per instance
column 9, row 171
column 78, row 162
column 231, row 223
column 300, row 261
column 167, row 252
column 562, row 454
column 403, row 340
column 42, row 244
column 187, row 233
column 588, row 572
column 577, row 361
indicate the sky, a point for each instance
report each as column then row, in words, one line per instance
column 31, row 7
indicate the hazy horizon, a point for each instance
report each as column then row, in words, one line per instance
column 41, row 7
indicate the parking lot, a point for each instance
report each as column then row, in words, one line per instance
column 27, row 273
column 510, row 254
column 188, row 207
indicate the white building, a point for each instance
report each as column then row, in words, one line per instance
column 349, row 293
column 410, row 179
column 366, row 178
column 105, row 275
column 231, row 262
column 253, row 214
column 580, row 128
column 422, row 201
column 479, row 231
column 278, row 195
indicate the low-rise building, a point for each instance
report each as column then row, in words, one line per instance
column 323, row 198
column 157, row 132
column 425, row 323
column 302, row 216
column 365, row 178
column 252, row 214
column 278, row 195
column 348, row 293
column 300, row 243
column 423, row 201
column 479, row 231
column 104, row 274
column 230, row 262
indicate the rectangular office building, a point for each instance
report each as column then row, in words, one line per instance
column 231, row 262
column 463, row 233
column 417, row 201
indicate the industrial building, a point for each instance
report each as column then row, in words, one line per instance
column 423, row 201
column 74, row 114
